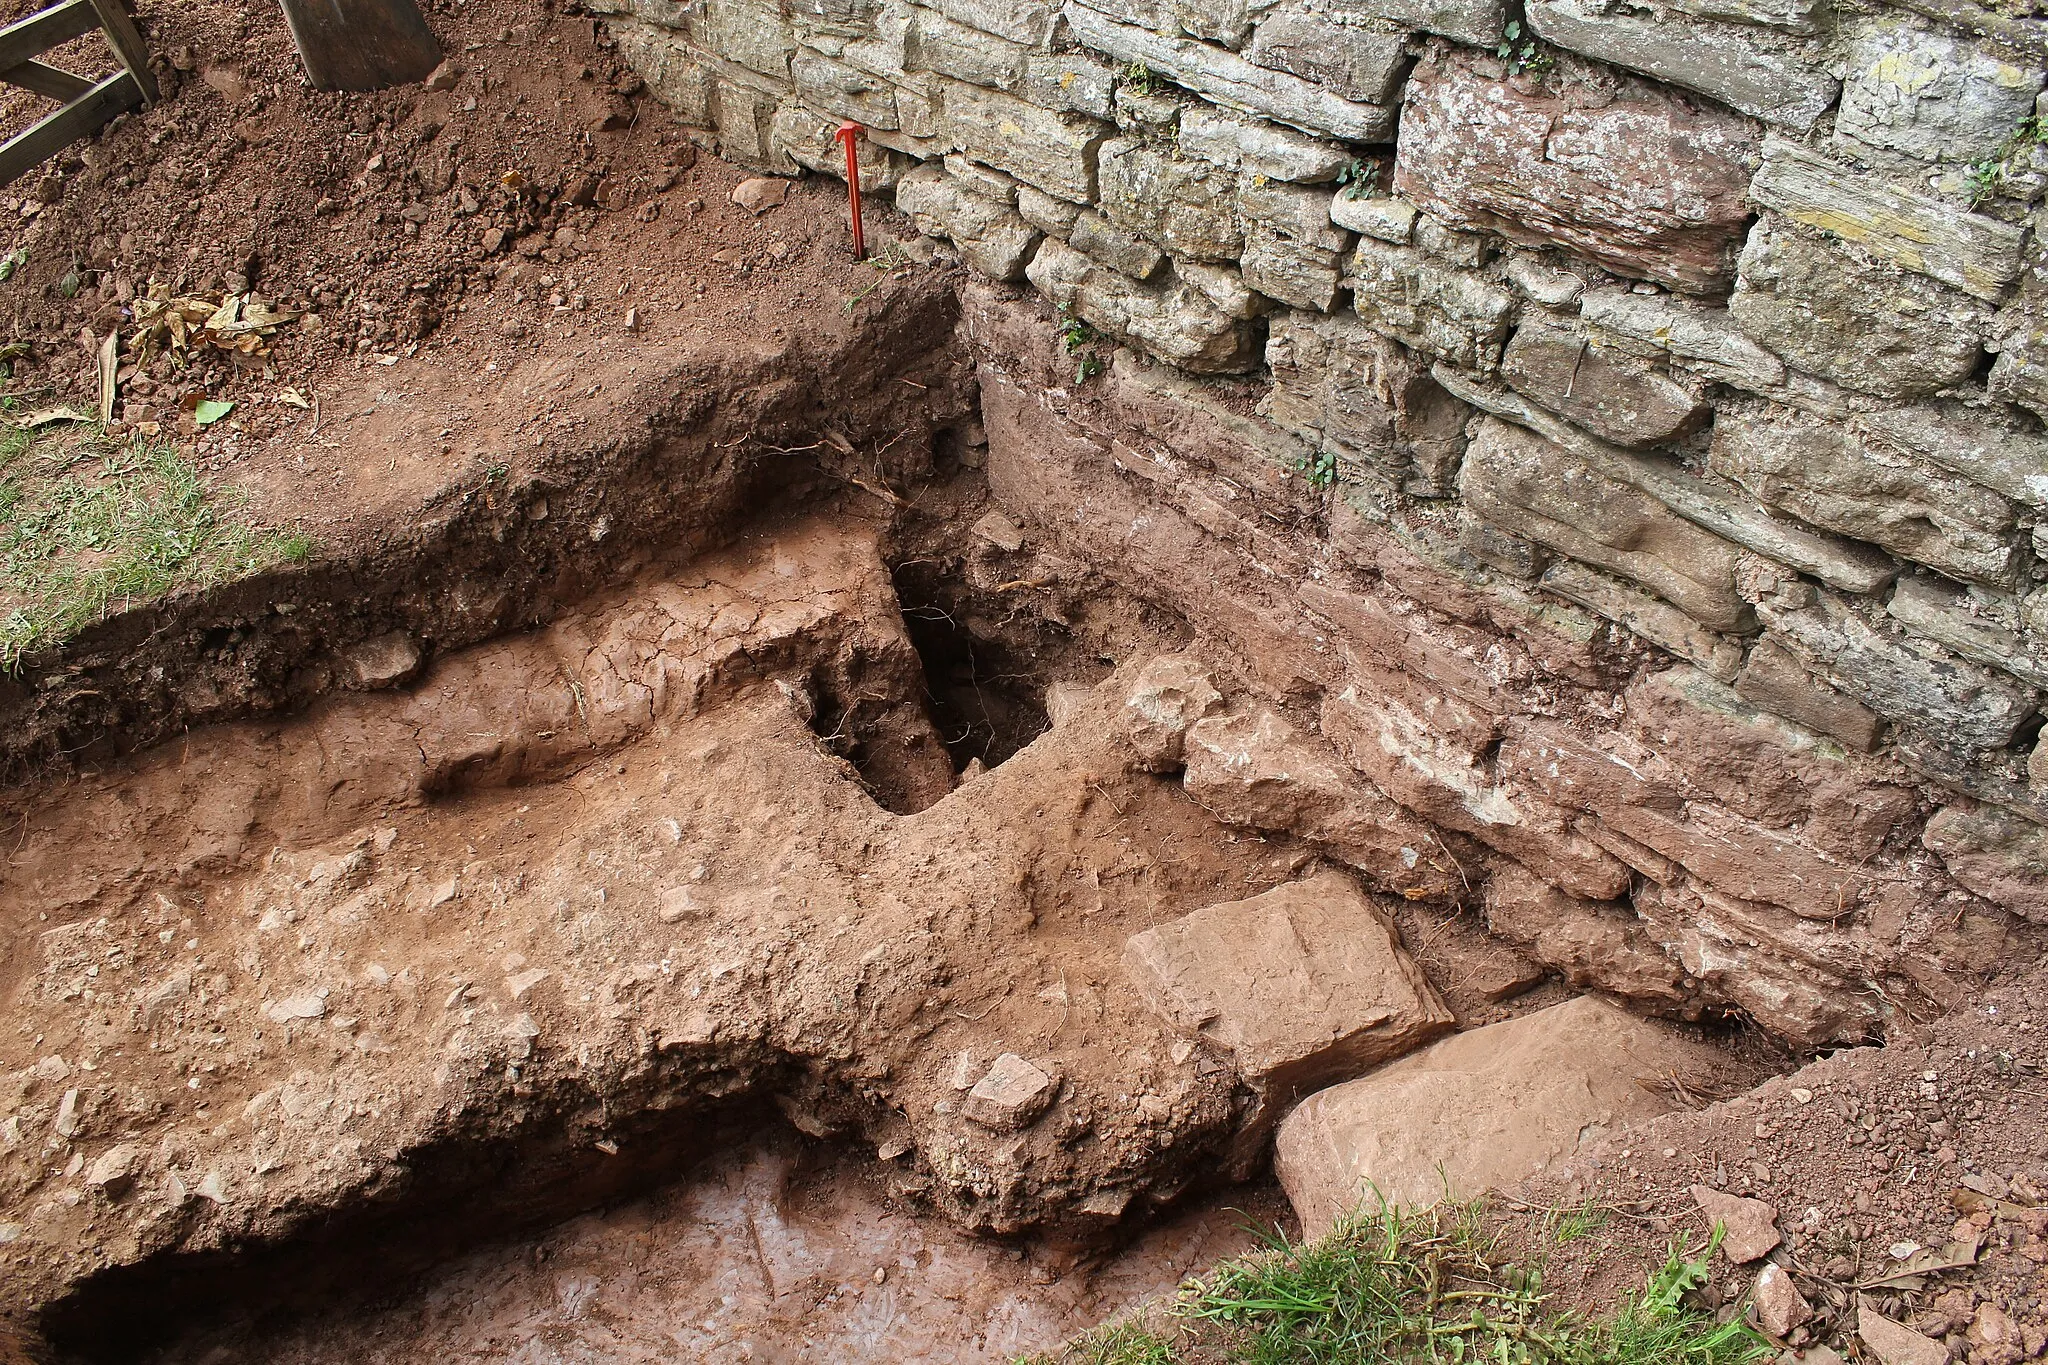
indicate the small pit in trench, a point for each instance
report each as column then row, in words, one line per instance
column 986, row 665
column 989, row 658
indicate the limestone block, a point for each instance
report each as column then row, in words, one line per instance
column 800, row 136
column 1930, row 95
column 1623, row 172
column 1444, row 312
column 883, row 48
column 1160, row 16
column 1610, row 395
column 1479, row 22
column 1258, row 147
column 1055, row 217
column 1594, row 945
column 2021, row 372
column 1305, row 985
column 1168, row 696
column 1073, row 81
column 1912, row 682
column 1230, row 80
column 843, row 91
column 1345, row 387
column 1291, row 250
column 1151, row 114
column 662, row 61
column 1466, row 250
column 1522, row 483
column 991, row 236
column 1823, row 473
column 1967, row 443
column 1384, row 220
column 1706, row 340
column 1029, row 22
column 1256, row 770
column 1773, row 680
column 1227, row 22
column 1176, row 320
column 917, row 117
column 1664, row 626
column 1995, row 853
column 1053, row 151
column 1731, row 64
column 1845, row 564
column 979, row 179
column 1303, row 213
column 1353, row 60
column 752, row 33
column 1803, row 17
column 1986, row 627
column 1978, row 255
column 745, row 119
column 1223, row 286
column 1867, row 326
column 938, row 44
column 1480, row 1110
column 1445, row 780
column 1289, row 271
column 1183, row 205
column 1114, row 247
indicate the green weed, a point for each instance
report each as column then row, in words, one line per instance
column 90, row 527
column 1359, row 178
column 1987, row 178
column 1084, row 342
column 1521, row 51
column 1143, row 79
column 1319, row 467
column 1392, row 1288
column 1566, row 1226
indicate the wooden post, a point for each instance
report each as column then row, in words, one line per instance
column 127, row 45
column 362, row 44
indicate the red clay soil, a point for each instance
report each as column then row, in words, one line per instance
column 472, row 257
column 451, row 323
column 1870, row 1158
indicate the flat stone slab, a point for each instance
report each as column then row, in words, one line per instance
column 1479, row 1110
column 1306, row 984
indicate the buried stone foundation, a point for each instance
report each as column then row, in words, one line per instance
column 1636, row 821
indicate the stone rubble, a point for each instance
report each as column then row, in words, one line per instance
column 1478, row 1110
column 1304, row 985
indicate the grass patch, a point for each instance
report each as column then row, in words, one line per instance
column 1426, row 1287
column 90, row 526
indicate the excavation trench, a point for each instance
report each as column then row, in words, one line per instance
column 694, row 909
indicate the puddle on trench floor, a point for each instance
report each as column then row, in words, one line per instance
column 767, row 1254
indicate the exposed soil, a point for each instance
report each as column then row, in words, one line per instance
column 775, row 1250
column 1870, row 1158
column 652, row 737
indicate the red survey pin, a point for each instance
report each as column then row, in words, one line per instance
column 849, row 133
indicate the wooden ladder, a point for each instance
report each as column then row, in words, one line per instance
column 87, row 103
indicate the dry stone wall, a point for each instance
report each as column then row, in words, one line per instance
column 1722, row 324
